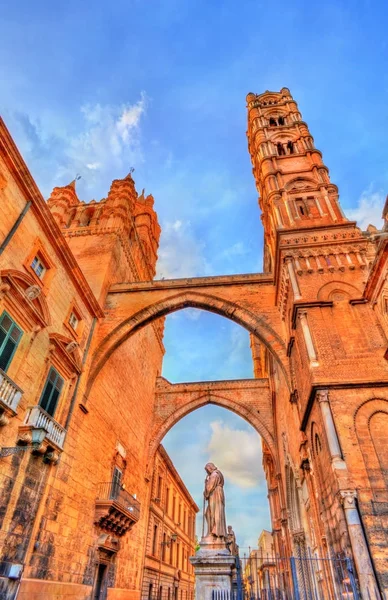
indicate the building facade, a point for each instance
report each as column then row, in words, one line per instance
column 83, row 401
column 168, row 574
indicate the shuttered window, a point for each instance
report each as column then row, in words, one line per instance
column 10, row 335
column 51, row 392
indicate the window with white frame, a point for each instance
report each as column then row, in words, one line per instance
column 73, row 321
column 38, row 266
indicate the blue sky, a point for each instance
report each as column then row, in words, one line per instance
column 95, row 88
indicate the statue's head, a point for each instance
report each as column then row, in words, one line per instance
column 210, row 467
column 230, row 528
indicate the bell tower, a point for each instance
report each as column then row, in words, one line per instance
column 295, row 191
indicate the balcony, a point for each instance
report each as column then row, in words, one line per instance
column 116, row 510
column 10, row 395
column 37, row 418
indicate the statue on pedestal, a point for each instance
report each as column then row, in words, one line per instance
column 215, row 510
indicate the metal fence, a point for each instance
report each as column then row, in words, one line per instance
column 309, row 577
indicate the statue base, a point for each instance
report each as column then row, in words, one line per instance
column 213, row 567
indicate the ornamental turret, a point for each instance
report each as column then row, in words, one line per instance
column 295, row 191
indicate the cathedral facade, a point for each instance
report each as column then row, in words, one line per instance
column 83, row 406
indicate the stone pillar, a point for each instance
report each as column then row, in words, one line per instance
column 213, row 567
column 364, row 567
column 308, row 339
column 331, row 434
column 293, row 279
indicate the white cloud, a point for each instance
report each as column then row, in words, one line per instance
column 237, row 452
column 369, row 209
column 181, row 254
column 100, row 146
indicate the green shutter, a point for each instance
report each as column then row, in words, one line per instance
column 10, row 335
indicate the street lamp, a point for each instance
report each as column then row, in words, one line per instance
column 37, row 437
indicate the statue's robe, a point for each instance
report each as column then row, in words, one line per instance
column 215, row 511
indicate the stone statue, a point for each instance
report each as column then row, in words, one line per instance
column 231, row 542
column 215, row 510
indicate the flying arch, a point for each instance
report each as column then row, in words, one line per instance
column 258, row 325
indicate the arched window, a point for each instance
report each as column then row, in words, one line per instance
column 301, row 208
column 281, row 120
column 290, row 148
column 281, row 151
column 86, row 217
column 272, row 122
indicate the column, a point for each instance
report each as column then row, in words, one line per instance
column 362, row 559
column 293, row 279
column 308, row 339
column 331, row 434
column 328, row 203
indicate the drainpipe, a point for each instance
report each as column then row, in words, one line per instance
column 74, row 396
column 14, row 227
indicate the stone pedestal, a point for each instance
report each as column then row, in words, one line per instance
column 213, row 565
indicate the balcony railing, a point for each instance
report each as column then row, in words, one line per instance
column 39, row 418
column 116, row 510
column 113, row 491
column 10, row 394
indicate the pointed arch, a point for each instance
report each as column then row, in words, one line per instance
column 162, row 427
column 256, row 324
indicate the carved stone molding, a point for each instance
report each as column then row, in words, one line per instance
column 322, row 395
column 348, row 498
column 32, row 292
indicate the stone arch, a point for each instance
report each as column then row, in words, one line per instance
column 364, row 415
column 162, row 427
column 330, row 289
column 301, row 184
column 255, row 324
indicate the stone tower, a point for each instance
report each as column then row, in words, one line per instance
column 115, row 239
column 293, row 182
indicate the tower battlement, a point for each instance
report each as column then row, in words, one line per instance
column 124, row 212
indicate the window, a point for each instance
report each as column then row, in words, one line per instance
column 281, row 120
column 150, row 591
column 280, row 148
column 73, row 321
column 154, row 540
column 160, row 482
column 116, row 482
column 167, row 499
column 272, row 122
column 38, row 266
column 10, row 335
column 301, row 207
column 52, row 389
column 290, row 148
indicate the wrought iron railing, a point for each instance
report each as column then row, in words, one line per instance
column 112, row 490
column 10, row 393
column 263, row 576
column 39, row 418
